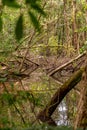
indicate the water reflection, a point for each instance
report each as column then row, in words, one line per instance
column 62, row 119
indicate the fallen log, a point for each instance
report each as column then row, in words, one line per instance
column 45, row 115
column 66, row 64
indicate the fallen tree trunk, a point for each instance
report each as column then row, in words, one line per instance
column 45, row 115
column 66, row 64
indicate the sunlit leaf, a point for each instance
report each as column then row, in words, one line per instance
column 1, row 24
column 19, row 28
column 10, row 3
column 34, row 21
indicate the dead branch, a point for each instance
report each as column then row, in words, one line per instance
column 18, row 111
column 30, row 41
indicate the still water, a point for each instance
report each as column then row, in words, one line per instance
column 62, row 110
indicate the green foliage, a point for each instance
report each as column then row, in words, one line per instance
column 13, row 17
column 4, row 121
column 37, row 8
column 2, row 80
column 44, row 127
column 8, row 98
column 24, row 96
column 84, row 47
column 10, row 3
column 7, row 128
column 7, row 37
column 20, row 97
column 82, row 29
column 1, row 24
column 19, row 28
column 33, row 7
column 34, row 20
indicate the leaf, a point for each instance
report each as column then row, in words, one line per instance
column 30, row 1
column 1, row 24
column 11, row 3
column 35, row 6
column 2, row 80
column 19, row 28
column 9, row 98
column 34, row 21
column 38, row 102
column 38, row 9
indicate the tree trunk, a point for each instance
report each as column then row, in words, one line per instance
column 45, row 115
column 75, row 42
column 81, row 118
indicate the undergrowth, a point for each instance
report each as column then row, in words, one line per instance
column 43, row 127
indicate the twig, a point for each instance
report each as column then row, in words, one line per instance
column 15, row 105
column 4, row 64
column 28, row 60
column 21, row 42
column 32, row 107
column 29, row 42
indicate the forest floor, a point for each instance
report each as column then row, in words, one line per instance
column 36, row 67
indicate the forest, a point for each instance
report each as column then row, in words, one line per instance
column 43, row 65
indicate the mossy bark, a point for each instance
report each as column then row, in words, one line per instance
column 81, row 117
column 45, row 115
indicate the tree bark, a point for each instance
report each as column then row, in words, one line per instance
column 74, row 28
column 45, row 115
column 81, row 117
